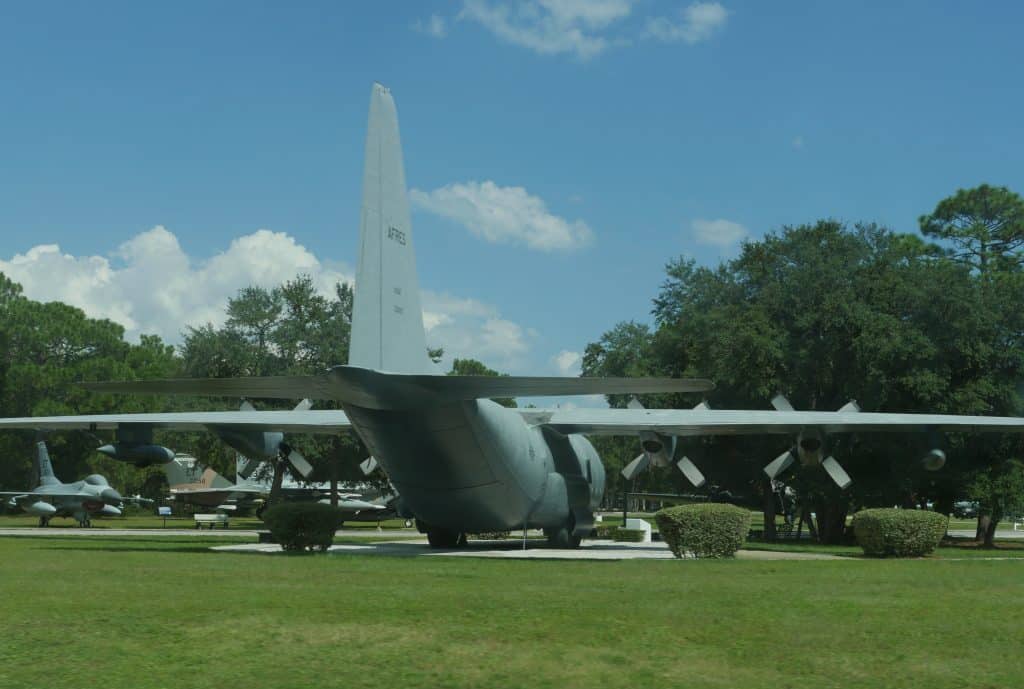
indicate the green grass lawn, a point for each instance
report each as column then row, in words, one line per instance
column 163, row 612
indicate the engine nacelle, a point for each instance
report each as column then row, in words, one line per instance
column 41, row 509
column 810, row 447
column 934, row 460
column 658, row 448
column 139, row 454
column 262, row 444
column 109, row 511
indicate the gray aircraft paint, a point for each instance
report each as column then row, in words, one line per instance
column 461, row 466
column 386, row 306
column 79, row 499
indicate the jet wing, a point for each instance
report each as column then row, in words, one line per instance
column 34, row 494
column 227, row 490
column 699, row 422
column 325, row 421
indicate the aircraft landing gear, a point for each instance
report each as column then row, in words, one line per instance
column 443, row 538
column 44, row 521
column 562, row 537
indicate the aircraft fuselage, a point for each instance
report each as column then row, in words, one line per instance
column 475, row 466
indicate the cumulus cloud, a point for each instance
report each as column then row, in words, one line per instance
column 504, row 215
column 567, row 363
column 436, row 26
column 468, row 328
column 721, row 233
column 150, row 284
column 697, row 22
column 551, row 27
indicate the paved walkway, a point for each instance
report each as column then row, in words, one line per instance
column 513, row 550
column 158, row 532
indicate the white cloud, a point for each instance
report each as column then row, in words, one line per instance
column 150, row 285
column 435, row 26
column 551, row 27
column 567, row 363
column 698, row 22
column 721, row 233
column 504, row 215
column 468, row 328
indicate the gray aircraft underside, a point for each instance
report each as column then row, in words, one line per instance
column 461, row 462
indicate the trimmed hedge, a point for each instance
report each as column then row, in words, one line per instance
column 300, row 526
column 706, row 530
column 603, row 531
column 903, row 533
column 623, row 535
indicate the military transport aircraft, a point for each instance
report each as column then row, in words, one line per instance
column 80, row 499
column 461, row 462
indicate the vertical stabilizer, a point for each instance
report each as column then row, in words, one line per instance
column 387, row 319
column 44, row 467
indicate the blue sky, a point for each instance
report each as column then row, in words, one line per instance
column 607, row 136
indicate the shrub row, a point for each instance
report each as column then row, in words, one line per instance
column 903, row 533
column 706, row 530
column 623, row 535
column 300, row 526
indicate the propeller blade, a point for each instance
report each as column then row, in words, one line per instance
column 837, row 472
column 850, row 406
column 246, row 405
column 635, row 467
column 691, row 472
column 779, row 464
column 300, row 463
column 304, row 405
column 703, row 406
column 634, row 403
column 244, row 467
column 369, row 465
column 781, row 403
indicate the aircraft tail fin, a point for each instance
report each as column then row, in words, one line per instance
column 44, row 467
column 387, row 318
column 187, row 472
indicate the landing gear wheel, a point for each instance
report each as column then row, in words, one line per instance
column 558, row 538
column 443, row 538
column 44, row 521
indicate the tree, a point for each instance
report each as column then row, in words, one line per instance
column 999, row 491
column 472, row 367
column 985, row 226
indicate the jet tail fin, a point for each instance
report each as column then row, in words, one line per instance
column 44, row 467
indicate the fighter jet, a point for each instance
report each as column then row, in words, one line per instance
column 80, row 499
column 461, row 462
column 195, row 485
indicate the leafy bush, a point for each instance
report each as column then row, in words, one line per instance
column 903, row 533
column 605, row 531
column 299, row 526
column 624, row 535
column 706, row 530
column 492, row 535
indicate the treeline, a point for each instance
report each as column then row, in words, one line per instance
column 828, row 312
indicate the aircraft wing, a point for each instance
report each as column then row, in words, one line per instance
column 228, row 490
column 699, row 422
column 325, row 421
column 34, row 494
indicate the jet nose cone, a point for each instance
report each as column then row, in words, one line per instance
column 109, row 495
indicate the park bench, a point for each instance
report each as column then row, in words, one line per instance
column 211, row 519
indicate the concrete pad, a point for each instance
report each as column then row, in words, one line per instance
column 513, row 550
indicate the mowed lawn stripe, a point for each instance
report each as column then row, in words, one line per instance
column 145, row 614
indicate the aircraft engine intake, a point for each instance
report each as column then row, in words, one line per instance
column 934, row 460
column 659, row 450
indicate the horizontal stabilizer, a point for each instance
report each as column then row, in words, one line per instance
column 378, row 390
